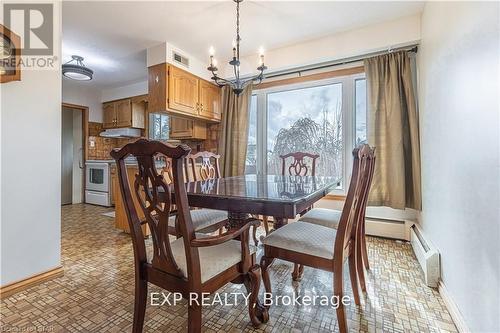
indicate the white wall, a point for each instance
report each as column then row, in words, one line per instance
column 30, row 172
column 340, row 45
column 459, row 109
column 82, row 93
column 134, row 89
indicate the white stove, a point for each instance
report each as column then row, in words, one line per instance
column 98, row 187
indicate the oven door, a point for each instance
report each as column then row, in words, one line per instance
column 97, row 177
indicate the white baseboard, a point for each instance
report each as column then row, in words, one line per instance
column 452, row 307
column 396, row 229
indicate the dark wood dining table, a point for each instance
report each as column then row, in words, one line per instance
column 282, row 197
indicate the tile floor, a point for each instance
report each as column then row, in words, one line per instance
column 96, row 292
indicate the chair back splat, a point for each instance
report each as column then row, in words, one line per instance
column 208, row 167
column 299, row 167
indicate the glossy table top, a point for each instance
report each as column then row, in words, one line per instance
column 273, row 195
column 263, row 187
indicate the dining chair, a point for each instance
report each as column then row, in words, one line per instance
column 330, row 218
column 192, row 264
column 203, row 166
column 321, row 247
column 297, row 167
column 204, row 220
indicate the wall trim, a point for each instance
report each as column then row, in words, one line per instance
column 15, row 287
column 452, row 308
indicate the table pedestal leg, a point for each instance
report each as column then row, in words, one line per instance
column 279, row 222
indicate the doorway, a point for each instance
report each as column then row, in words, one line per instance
column 73, row 153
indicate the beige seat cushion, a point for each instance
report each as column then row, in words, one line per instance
column 303, row 237
column 203, row 218
column 322, row 216
column 213, row 259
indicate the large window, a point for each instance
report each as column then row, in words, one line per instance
column 326, row 117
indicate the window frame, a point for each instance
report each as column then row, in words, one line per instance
column 348, row 120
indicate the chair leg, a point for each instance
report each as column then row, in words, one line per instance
column 297, row 272
column 354, row 279
column 358, row 248
column 338, row 291
column 265, row 262
column 363, row 247
column 194, row 318
column 255, row 240
column 141, row 296
column 265, row 221
column 258, row 314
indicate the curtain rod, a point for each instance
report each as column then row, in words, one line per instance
column 344, row 61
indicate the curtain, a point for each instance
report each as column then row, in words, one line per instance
column 393, row 130
column 234, row 131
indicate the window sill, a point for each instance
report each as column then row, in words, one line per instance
column 335, row 197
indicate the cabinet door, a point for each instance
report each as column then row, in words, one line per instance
column 123, row 113
column 157, row 88
column 182, row 91
column 109, row 115
column 180, row 128
column 210, row 101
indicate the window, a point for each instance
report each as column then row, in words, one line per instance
column 251, row 160
column 360, row 99
column 158, row 126
column 324, row 117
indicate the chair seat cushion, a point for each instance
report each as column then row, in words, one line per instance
column 213, row 259
column 303, row 237
column 203, row 218
column 322, row 216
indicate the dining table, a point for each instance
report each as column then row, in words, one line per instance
column 282, row 197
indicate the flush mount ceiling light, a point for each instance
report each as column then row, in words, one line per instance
column 238, row 83
column 76, row 70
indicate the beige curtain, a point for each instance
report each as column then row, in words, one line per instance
column 234, row 131
column 393, row 130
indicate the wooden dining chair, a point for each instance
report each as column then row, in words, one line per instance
column 192, row 264
column 204, row 220
column 297, row 167
column 322, row 247
column 331, row 218
column 203, row 166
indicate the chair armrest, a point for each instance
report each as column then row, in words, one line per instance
column 222, row 238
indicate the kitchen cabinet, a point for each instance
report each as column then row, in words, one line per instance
column 182, row 128
column 128, row 112
column 210, row 101
column 121, row 220
column 180, row 93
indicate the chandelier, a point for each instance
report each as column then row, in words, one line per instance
column 237, row 84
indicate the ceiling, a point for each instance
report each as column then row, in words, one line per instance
column 113, row 36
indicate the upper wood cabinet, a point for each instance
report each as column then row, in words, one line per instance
column 181, row 93
column 210, row 101
column 128, row 112
column 181, row 128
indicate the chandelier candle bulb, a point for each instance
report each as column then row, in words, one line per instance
column 211, row 51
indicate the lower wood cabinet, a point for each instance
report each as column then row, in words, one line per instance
column 121, row 220
column 181, row 128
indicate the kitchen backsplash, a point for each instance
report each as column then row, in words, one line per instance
column 98, row 147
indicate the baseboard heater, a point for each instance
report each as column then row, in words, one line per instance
column 388, row 228
column 427, row 256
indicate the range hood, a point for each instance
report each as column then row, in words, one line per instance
column 126, row 132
